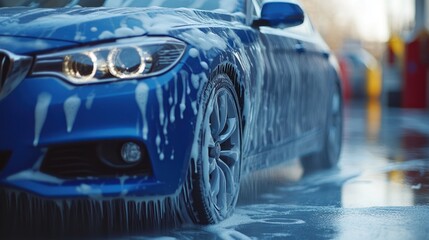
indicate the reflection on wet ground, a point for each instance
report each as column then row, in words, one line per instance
column 379, row 191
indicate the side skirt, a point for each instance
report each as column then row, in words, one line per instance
column 285, row 151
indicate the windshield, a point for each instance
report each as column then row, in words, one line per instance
column 225, row 5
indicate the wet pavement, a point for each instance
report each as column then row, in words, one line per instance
column 379, row 191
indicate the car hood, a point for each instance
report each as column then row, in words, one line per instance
column 85, row 25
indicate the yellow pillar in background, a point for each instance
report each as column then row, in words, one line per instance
column 373, row 81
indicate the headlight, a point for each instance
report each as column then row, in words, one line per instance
column 124, row 59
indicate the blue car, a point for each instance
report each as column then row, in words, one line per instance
column 126, row 111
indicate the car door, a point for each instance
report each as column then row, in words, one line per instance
column 277, row 115
column 313, row 82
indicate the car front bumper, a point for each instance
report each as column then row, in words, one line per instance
column 45, row 112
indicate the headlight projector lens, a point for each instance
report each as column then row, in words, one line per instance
column 127, row 62
column 81, row 67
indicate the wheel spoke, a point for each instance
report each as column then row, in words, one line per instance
column 211, row 141
column 229, row 131
column 212, row 165
column 214, row 182
column 215, row 120
column 223, row 112
column 229, row 179
column 230, row 157
column 221, row 195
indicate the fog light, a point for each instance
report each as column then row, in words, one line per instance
column 131, row 152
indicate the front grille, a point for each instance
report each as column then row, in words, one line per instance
column 84, row 160
column 4, row 159
column 5, row 66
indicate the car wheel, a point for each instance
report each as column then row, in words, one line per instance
column 329, row 155
column 214, row 181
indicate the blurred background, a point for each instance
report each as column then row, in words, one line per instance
column 382, row 46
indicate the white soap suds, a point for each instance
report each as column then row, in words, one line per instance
column 106, row 35
column 142, row 94
column 161, row 24
column 182, row 104
column 228, row 5
column 158, row 146
column 195, row 79
column 40, row 114
column 173, row 107
column 35, row 176
column 123, row 31
column 84, row 188
column 79, row 37
column 193, row 52
column 165, row 131
column 88, row 190
column 89, row 101
column 172, row 155
column 204, row 65
column 126, row 31
column 194, row 107
column 159, row 96
column 205, row 41
column 71, row 108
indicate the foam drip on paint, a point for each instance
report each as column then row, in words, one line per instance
column 142, row 94
column 193, row 52
column 35, row 176
column 71, row 108
column 159, row 95
column 182, row 105
column 89, row 101
column 158, row 146
column 195, row 79
column 40, row 114
column 173, row 108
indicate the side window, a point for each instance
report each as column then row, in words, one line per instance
column 257, row 7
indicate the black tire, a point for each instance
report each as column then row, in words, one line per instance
column 329, row 155
column 213, row 183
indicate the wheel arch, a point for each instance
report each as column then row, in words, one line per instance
column 234, row 74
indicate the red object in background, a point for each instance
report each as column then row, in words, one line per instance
column 416, row 72
column 347, row 90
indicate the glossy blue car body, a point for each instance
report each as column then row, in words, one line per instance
column 283, row 78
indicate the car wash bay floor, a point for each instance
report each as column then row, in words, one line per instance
column 379, row 191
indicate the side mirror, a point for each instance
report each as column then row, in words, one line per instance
column 280, row 14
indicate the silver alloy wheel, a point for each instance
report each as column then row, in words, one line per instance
column 221, row 148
